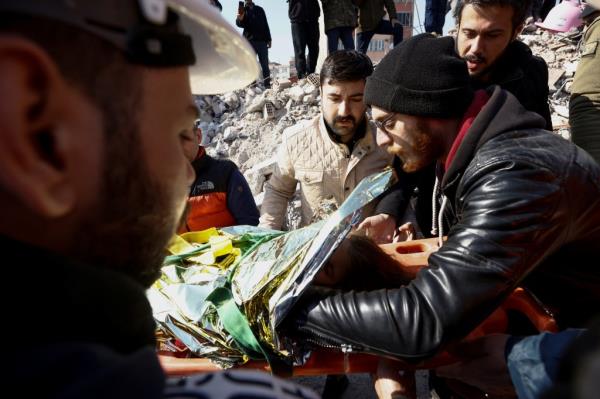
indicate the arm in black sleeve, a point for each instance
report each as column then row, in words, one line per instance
column 268, row 31
column 501, row 236
column 542, row 105
column 240, row 201
column 395, row 201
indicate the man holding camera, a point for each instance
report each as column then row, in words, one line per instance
column 256, row 29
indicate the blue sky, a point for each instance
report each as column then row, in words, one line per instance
column 276, row 10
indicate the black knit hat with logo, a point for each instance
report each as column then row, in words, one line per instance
column 422, row 76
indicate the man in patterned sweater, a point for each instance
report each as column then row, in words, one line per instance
column 334, row 152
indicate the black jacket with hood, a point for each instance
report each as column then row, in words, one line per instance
column 255, row 24
column 525, row 205
column 519, row 72
column 525, row 76
column 303, row 11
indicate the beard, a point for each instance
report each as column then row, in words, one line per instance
column 344, row 131
column 135, row 216
column 476, row 59
column 419, row 152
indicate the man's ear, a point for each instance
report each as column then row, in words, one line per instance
column 517, row 32
column 34, row 149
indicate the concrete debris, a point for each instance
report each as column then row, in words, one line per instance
column 293, row 217
column 325, row 208
column 259, row 174
column 314, row 79
column 296, row 93
column 230, row 133
column 280, row 85
column 268, row 111
column 561, row 53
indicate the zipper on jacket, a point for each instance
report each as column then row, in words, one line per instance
column 346, row 349
column 323, row 341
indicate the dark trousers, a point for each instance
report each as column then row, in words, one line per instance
column 343, row 33
column 384, row 28
column 263, row 58
column 435, row 16
column 305, row 34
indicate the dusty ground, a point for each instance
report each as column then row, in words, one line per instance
column 361, row 386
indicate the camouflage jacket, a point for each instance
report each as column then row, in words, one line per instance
column 339, row 13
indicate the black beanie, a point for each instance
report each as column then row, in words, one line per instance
column 422, row 76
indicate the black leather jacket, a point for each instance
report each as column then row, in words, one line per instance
column 526, row 210
column 525, row 76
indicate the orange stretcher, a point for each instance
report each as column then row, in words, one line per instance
column 412, row 256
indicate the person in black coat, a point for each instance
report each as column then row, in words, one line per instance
column 256, row 29
column 304, row 18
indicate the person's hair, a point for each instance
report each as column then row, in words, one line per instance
column 94, row 66
column 520, row 8
column 346, row 66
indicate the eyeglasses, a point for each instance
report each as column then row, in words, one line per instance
column 386, row 124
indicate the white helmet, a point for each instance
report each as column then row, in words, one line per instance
column 160, row 33
column 563, row 17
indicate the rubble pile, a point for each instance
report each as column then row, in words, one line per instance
column 561, row 53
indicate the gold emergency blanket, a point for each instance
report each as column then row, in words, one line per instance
column 264, row 270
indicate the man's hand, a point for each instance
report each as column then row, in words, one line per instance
column 379, row 228
column 269, row 44
column 390, row 382
column 406, row 232
column 483, row 366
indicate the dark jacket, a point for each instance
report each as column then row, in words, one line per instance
column 371, row 12
column 220, row 196
column 339, row 14
column 519, row 72
column 256, row 27
column 77, row 331
column 395, row 202
column 525, row 210
column 525, row 76
column 303, row 10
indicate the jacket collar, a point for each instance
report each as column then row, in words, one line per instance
column 58, row 300
column 502, row 113
column 201, row 162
